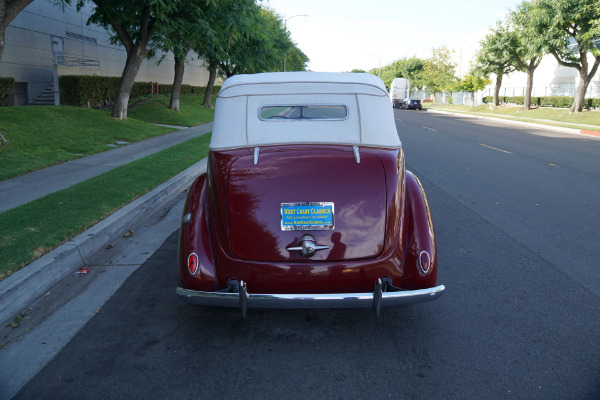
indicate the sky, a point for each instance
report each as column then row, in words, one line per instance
column 341, row 35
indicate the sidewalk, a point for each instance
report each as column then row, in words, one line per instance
column 593, row 130
column 25, row 188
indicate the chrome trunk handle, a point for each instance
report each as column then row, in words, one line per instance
column 307, row 246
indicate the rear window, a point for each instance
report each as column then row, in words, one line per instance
column 305, row 112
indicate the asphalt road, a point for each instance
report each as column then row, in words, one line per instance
column 516, row 216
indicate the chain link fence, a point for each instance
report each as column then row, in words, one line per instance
column 470, row 99
column 557, row 89
column 447, row 97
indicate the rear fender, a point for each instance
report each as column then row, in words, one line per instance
column 194, row 238
column 420, row 240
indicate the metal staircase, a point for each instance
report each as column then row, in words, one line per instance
column 46, row 98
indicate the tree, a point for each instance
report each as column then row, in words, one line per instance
column 237, row 46
column 472, row 82
column 495, row 56
column 410, row 68
column 296, row 59
column 391, row 71
column 230, row 22
column 189, row 26
column 134, row 23
column 224, row 27
column 375, row 71
column 596, row 21
column 571, row 31
column 9, row 9
column 247, row 48
column 263, row 49
column 438, row 71
column 210, row 85
column 530, row 46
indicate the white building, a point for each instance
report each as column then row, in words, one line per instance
column 42, row 31
column 549, row 79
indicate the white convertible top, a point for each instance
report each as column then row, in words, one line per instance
column 239, row 122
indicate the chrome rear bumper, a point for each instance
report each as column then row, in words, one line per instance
column 245, row 300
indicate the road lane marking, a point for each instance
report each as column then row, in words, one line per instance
column 431, row 129
column 494, row 148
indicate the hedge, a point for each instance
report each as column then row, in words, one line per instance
column 6, row 90
column 98, row 91
column 545, row 101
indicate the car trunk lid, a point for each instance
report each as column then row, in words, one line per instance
column 311, row 181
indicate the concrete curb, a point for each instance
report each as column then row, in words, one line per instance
column 573, row 131
column 34, row 280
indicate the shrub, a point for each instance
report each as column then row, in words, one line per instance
column 6, row 88
column 546, row 101
column 99, row 91
column 556, row 101
column 591, row 103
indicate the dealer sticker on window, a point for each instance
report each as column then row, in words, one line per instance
column 313, row 216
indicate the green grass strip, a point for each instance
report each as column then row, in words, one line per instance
column 155, row 109
column 38, row 137
column 33, row 229
column 541, row 115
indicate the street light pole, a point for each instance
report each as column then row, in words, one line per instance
column 378, row 57
column 285, row 29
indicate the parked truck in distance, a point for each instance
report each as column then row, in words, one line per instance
column 399, row 90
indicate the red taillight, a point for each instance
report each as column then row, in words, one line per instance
column 424, row 261
column 193, row 263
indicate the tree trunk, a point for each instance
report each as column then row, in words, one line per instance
column 584, row 77
column 132, row 66
column 496, row 101
column 2, row 35
column 584, row 81
column 210, row 85
column 529, row 88
column 175, row 93
column 8, row 12
column 136, row 51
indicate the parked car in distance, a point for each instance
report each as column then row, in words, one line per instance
column 411, row 104
column 306, row 202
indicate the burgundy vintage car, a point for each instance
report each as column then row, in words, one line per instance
column 306, row 202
